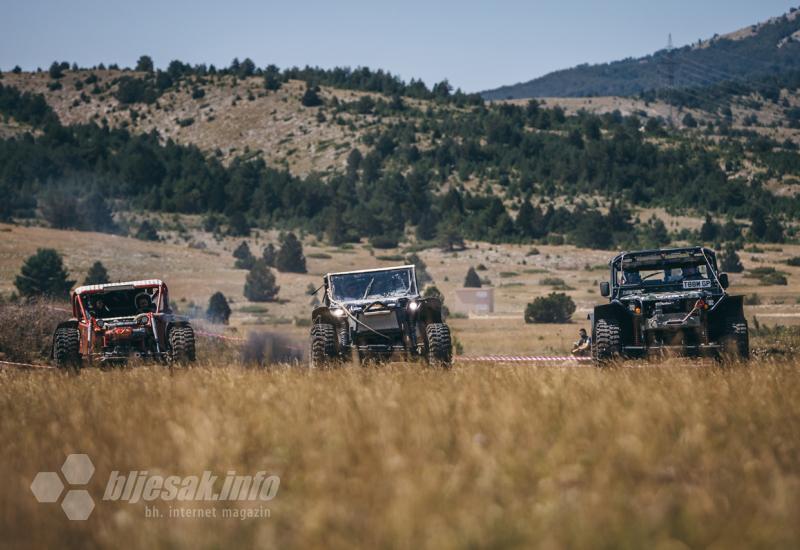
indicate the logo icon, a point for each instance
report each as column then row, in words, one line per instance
column 77, row 503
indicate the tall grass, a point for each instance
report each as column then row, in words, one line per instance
column 407, row 457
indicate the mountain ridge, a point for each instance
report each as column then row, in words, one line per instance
column 758, row 50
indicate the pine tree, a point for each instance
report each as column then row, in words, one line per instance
column 290, row 257
column 426, row 228
column 260, row 284
column 731, row 231
column 238, row 225
column 450, row 237
column 96, row 215
column 758, row 224
column 60, row 210
column 423, row 277
column 311, row 97
column 145, row 64
column 709, row 230
column 269, row 255
column 774, row 231
column 97, row 275
column 218, row 309
column 55, row 70
column 43, row 274
column 244, row 258
column 472, row 280
column 524, row 222
column 272, row 78
column 730, row 261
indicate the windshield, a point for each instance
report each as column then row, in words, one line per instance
column 671, row 274
column 393, row 283
column 121, row 303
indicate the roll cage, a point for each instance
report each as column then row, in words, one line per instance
column 662, row 259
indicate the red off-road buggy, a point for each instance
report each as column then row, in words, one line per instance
column 112, row 323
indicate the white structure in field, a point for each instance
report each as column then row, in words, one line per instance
column 474, row 300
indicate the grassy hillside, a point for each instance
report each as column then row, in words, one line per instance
column 347, row 164
column 766, row 48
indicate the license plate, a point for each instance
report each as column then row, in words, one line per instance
column 700, row 283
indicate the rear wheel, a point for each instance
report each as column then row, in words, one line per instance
column 181, row 344
column 607, row 344
column 736, row 344
column 66, row 348
column 440, row 347
column 323, row 345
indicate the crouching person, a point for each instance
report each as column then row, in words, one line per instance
column 583, row 347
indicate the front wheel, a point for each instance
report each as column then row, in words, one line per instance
column 440, row 346
column 323, row 345
column 66, row 348
column 181, row 344
column 607, row 345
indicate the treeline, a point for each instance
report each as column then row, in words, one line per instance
column 147, row 89
column 496, row 173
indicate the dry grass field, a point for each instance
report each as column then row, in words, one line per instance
column 401, row 456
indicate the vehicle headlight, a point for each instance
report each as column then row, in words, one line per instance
column 413, row 306
column 142, row 320
column 100, row 323
column 338, row 313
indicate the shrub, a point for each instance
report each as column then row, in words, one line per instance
column 794, row 262
column 776, row 278
column 135, row 90
column 752, row 300
column 383, row 241
column 146, row 232
column 260, row 284
column 472, row 280
column 556, row 307
column 218, row 309
column 97, row 275
column 26, row 330
column 43, row 274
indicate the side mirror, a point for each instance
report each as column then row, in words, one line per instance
column 605, row 289
column 723, row 280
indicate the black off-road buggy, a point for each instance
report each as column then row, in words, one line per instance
column 668, row 301
column 375, row 313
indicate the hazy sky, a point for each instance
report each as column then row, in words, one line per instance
column 477, row 45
